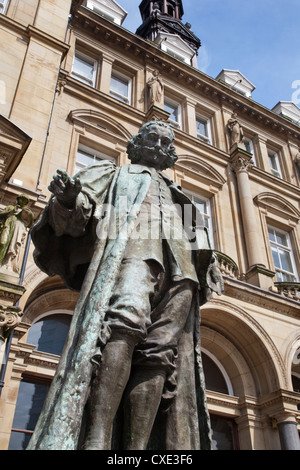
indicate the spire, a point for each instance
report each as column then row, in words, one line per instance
column 164, row 17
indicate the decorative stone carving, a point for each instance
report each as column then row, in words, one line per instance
column 235, row 130
column 241, row 164
column 14, row 224
column 156, row 88
column 10, row 318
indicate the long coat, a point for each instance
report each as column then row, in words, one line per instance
column 89, row 262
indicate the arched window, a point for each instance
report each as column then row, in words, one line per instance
column 216, row 378
column 296, row 371
column 49, row 333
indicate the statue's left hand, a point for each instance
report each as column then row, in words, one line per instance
column 65, row 188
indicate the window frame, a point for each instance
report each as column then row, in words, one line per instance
column 96, row 156
column 251, row 148
column 277, row 172
column 34, row 380
column 89, row 60
column 288, row 249
column 176, row 106
column 3, row 6
column 206, row 216
column 204, row 120
column 125, row 78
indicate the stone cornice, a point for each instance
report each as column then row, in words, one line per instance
column 102, row 29
column 249, row 293
column 31, row 31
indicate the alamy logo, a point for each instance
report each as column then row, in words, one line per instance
column 296, row 94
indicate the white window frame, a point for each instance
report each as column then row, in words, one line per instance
column 3, row 6
column 274, row 158
column 288, row 249
column 204, row 137
column 207, row 216
column 176, row 106
column 89, row 60
column 250, row 149
column 123, row 98
column 94, row 155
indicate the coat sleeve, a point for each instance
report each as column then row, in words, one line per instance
column 71, row 222
column 64, row 240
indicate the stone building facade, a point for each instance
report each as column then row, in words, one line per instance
column 75, row 85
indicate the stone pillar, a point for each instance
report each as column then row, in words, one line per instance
column 10, row 318
column 288, row 433
column 105, row 73
column 241, row 163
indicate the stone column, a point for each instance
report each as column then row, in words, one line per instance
column 105, row 73
column 241, row 163
column 288, row 432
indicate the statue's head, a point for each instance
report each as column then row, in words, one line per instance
column 22, row 200
column 153, row 146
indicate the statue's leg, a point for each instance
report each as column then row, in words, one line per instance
column 142, row 399
column 154, row 362
column 106, row 392
column 128, row 316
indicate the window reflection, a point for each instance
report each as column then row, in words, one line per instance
column 49, row 333
column 30, row 401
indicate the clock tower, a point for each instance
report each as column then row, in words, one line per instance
column 162, row 23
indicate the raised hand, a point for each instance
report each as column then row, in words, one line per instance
column 65, row 188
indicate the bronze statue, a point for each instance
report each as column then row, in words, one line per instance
column 15, row 221
column 134, row 245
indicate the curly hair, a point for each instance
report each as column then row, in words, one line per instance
column 134, row 146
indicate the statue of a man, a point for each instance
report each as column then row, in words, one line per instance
column 235, row 130
column 119, row 236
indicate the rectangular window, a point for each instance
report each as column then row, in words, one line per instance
column 3, row 6
column 175, row 113
column 121, row 87
column 29, row 405
column 282, row 255
column 274, row 164
column 250, row 149
column 87, row 156
column 203, row 129
column 84, row 69
column 204, row 207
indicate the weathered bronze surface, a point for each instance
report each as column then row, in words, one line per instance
column 130, row 240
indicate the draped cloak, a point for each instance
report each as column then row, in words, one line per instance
column 89, row 262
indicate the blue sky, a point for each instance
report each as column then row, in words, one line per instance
column 261, row 38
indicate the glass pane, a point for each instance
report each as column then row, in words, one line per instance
column 202, row 206
column 119, row 86
column 272, row 235
column 202, row 127
column 19, row 440
column 83, row 68
column 281, row 239
column 49, row 334
column 222, row 433
column 84, row 158
column 214, row 378
column 173, row 110
column 29, row 404
column 285, row 259
column 276, row 258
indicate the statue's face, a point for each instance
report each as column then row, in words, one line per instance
column 155, row 146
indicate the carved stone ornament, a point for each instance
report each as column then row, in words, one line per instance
column 10, row 318
column 241, row 165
